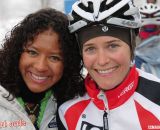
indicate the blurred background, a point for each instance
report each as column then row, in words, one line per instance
column 12, row 11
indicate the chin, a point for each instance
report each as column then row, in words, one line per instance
column 104, row 88
column 36, row 90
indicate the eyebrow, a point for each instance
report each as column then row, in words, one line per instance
column 116, row 40
column 59, row 52
column 111, row 41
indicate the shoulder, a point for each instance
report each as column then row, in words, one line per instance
column 6, row 98
column 149, row 86
column 8, row 102
column 3, row 90
column 7, row 106
column 73, row 107
column 4, row 93
column 75, row 103
column 148, row 76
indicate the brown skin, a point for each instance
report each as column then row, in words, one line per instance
column 41, row 64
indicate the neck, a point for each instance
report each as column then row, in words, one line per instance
column 31, row 97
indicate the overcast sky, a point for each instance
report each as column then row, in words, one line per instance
column 13, row 11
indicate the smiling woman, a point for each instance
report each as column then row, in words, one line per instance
column 39, row 62
column 106, row 32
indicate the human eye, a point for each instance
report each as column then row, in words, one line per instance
column 56, row 58
column 113, row 46
column 89, row 49
column 31, row 52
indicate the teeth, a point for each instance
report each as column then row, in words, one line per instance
column 39, row 77
column 106, row 71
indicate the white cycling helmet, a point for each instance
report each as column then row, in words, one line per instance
column 117, row 12
column 150, row 14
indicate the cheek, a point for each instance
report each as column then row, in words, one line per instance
column 124, row 57
column 88, row 61
column 22, row 63
column 58, row 69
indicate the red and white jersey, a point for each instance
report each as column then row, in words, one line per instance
column 133, row 105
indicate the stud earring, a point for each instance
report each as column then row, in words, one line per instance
column 132, row 63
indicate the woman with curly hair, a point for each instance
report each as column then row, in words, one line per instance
column 39, row 63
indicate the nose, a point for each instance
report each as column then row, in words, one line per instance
column 41, row 64
column 102, row 58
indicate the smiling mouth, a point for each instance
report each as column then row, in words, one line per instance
column 107, row 71
column 38, row 78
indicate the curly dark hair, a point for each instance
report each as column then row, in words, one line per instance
column 10, row 77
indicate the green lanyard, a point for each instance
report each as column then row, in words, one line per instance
column 43, row 105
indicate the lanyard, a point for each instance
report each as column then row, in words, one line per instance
column 43, row 104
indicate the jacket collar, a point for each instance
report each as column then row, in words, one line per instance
column 116, row 96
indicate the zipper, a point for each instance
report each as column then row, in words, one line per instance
column 102, row 96
column 105, row 121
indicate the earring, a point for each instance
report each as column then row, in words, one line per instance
column 132, row 63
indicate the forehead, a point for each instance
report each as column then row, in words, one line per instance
column 47, row 40
column 102, row 39
column 46, row 33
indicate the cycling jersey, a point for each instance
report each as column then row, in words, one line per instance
column 133, row 105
